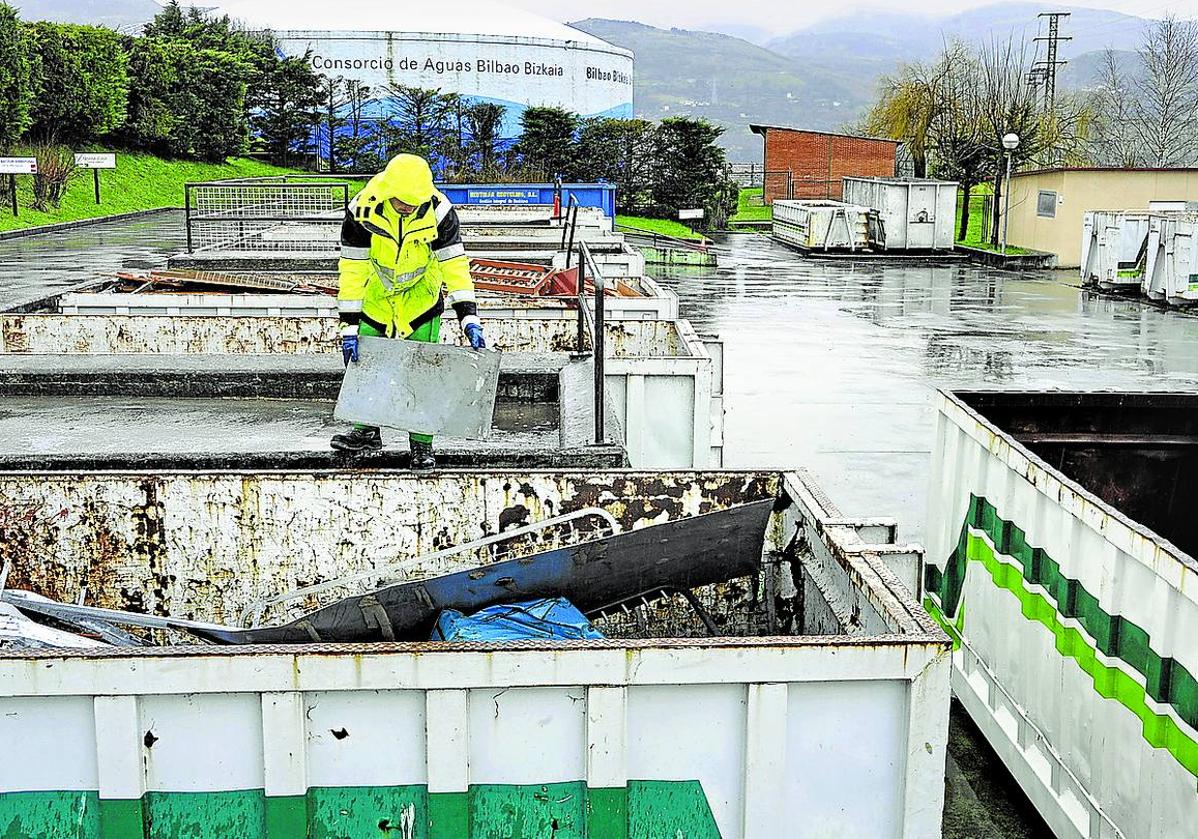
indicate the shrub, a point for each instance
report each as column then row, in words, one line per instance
column 185, row 101
column 16, row 88
column 55, row 170
column 80, row 81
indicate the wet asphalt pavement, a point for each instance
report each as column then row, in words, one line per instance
column 833, row 364
column 36, row 266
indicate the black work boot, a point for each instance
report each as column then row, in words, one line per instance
column 357, row 439
column 422, row 456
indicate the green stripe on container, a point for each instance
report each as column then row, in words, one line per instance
column 644, row 810
column 60, row 814
column 1168, row 681
column 499, row 811
column 1159, row 730
column 204, row 815
column 122, row 818
column 286, row 816
column 338, row 812
column 669, row 809
column 607, row 812
column 448, row 815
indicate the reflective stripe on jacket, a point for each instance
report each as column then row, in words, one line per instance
column 400, row 272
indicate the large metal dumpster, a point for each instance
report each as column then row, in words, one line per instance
column 1060, row 560
column 1171, row 262
column 827, row 678
column 664, row 382
column 916, row 213
column 824, row 225
column 1114, row 248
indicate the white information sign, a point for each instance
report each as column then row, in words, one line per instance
column 18, row 165
column 687, row 214
column 95, row 161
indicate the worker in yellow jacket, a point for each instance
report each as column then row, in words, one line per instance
column 402, row 261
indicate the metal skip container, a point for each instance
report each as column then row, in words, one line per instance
column 426, row 388
column 824, row 225
column 1171, row 263
column 818, row 677
column 1114, row 246
column 917, row 214
column 1061, row 534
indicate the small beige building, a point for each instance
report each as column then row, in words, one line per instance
column 1047, row 204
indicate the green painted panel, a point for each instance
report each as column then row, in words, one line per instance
column 286, row 816
column 607, row 813
column 645, row 810
column 669, row 810
column 353, row 812
column 448, row 815
column 42, row 815
column 1168, row 681
column 508, row 811
column 235, row 814
column 1158, row 730
column 122, row 818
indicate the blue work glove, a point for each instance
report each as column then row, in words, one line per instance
column 475, row 333
column 349, row 348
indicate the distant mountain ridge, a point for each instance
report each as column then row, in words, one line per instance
column 907, row 37
column 825, row 76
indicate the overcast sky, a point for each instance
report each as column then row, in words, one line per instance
column 781, row 16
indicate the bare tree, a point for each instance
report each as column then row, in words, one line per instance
column 960, row 143
column 1009, row 106
column 1166, row 107
column 1114, row 140
column 906, row 107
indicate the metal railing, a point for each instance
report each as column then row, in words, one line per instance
column 587, row 266
column 264, row 215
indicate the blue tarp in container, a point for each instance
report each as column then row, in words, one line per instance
column 549, row 619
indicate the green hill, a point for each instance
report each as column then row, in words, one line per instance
column 733, row 82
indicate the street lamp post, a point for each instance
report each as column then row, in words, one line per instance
column 1010, row 142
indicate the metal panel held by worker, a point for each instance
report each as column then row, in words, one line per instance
column 426, row 388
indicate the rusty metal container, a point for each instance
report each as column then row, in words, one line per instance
column 826, row 678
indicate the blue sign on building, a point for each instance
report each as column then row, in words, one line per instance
column 601, row 195
column 503, row 195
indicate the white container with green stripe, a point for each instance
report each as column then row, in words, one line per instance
column 1059, row 525
column 820, row 710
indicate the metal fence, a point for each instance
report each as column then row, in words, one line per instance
column 747, row 175
column 258, row 215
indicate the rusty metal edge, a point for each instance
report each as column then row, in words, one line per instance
column 938, row 640
column 399, row 472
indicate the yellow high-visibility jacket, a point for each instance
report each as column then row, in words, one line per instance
column 398, row 273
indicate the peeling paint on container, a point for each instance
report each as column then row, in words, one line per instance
column 700, row 737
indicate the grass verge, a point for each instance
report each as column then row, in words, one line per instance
column 975, row 235
column 140, row 182
column 750, row 208
column 660, row 226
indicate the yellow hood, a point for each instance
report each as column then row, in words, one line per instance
column 407, row 177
